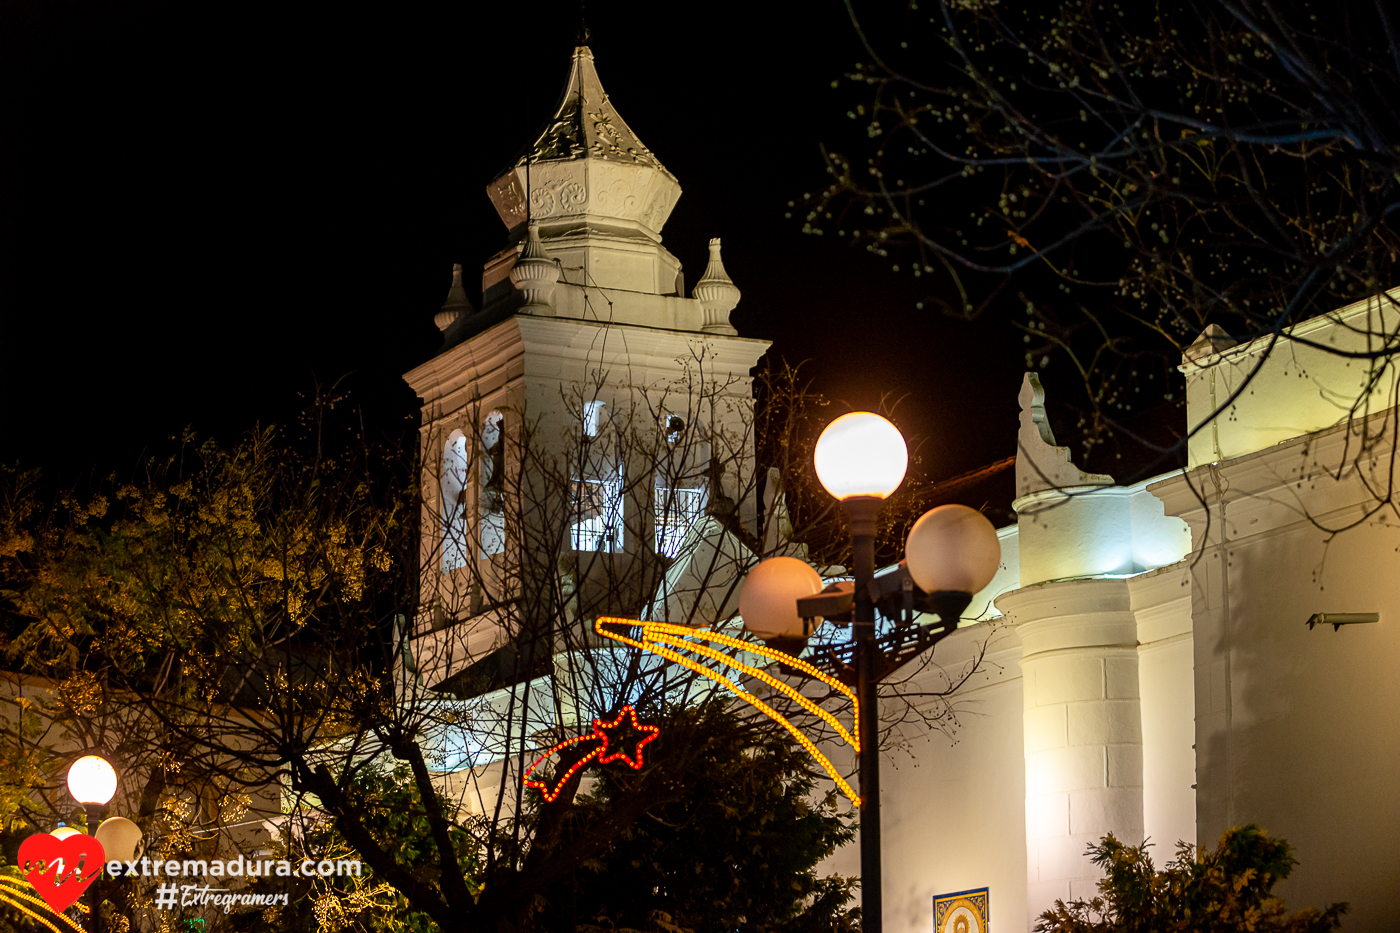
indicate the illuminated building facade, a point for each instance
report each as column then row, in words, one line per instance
column 1149, row 671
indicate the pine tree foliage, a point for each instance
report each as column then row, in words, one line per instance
column 1225, row 890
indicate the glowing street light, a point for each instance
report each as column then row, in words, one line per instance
column 951, row 553
column 92, row 780
column 861, row 454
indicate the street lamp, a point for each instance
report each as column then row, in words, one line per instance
column 92, row 781
column 951, row 553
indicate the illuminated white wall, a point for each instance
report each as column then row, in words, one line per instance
column 1297, row 730
column 952, row 815
column 1297, row 389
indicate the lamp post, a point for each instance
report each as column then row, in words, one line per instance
column 951, row 553
column 92, row 781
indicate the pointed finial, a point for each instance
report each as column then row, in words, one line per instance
column 584, row 33
column 457, row 304
column 534, row 273
column 1212, row 340
column 717, row 294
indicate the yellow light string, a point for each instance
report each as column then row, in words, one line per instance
column 13, row 888
column 806, row 703
column 654, row 635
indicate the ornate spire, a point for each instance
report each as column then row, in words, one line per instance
column 586, row 164
column 716, row 293
column 535, row 274
column 457, row 304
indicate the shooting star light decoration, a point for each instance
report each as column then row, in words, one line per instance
column 611, row 747
column 667, row 640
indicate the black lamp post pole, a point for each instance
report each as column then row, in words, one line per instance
column 92, row 816
column 861, row 513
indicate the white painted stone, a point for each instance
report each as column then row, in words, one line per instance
column 1066, row 769
column 1047, row 816
column 1041, row 896
column 1124, row 769
column 1045, row 727
column 1120, row 676
column 1104, row 722
column 1066, row 678
column 1097, row 812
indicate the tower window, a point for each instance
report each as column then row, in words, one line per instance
column 674, row 512
column 454, row 502
column 493, row 475
column 592, row 418
column 598, row 514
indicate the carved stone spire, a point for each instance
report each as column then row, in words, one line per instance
column 717, row 294
column 586, row 166
column 457, row 304
column 535, row 274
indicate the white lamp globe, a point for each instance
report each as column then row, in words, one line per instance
column 63, row 832
column 91, row 780
column 119, row 837
column 768, row 599
column 952, row 547
column 861, row 454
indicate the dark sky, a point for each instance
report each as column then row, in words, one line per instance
column 206, row 208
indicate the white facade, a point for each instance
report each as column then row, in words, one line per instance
column 1147, row 670
column 585, row 333
column 1155, row 637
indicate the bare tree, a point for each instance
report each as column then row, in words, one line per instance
column 317, row 638
column 1113, row 179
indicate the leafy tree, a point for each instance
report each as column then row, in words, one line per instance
column 232, row 627
column 1110, row 179
column 1228, row 890
column 393, row 812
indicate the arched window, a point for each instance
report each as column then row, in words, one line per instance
column 454, row 502
column 678, row 499
column 493, row 476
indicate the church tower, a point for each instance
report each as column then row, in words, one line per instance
column 587, row 425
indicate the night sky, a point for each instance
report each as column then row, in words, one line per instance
column 205, row 210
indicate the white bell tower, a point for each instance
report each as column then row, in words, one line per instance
column 584, row 335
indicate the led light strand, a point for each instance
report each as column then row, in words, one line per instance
column 655, row 629
column 805, row 702
column 677, row 635
column 600, row 753
column 652, row 629
column 652, row 733
column 14, row 889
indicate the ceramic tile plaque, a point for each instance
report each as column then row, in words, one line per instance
column 961, row 912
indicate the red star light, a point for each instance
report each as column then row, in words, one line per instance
column 612, row 739
column 613, row 744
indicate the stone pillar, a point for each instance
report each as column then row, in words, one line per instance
column 1083, row 729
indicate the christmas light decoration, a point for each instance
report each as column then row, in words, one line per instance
column 15, row 893
column 663, row 638
column 601, row 753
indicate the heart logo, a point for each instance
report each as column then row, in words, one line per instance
column 55, row 866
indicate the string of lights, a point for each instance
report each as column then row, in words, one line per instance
column 600, row 735
column 13, row 894
column 806, row 702
column 655, row 633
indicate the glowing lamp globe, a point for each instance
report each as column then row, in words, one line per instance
column 861, row 454
column 952, row 547
column 119, row 837
column 768, row 599
column 91, row 780
column 63, row 832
